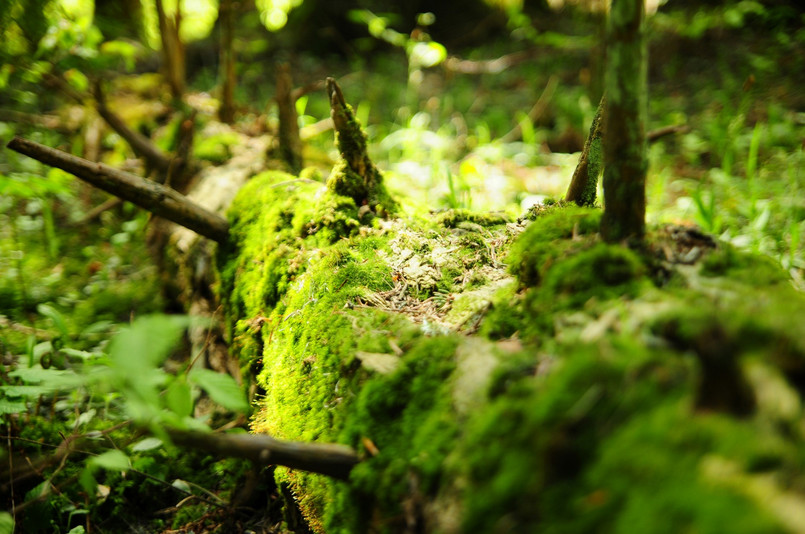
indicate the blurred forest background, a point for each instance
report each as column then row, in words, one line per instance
column 477, row 104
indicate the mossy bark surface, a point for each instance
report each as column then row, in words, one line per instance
column 514, row 377
column 584, row 184
column 625, row 162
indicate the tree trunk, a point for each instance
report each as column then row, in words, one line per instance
column 290, row 145
column 173, row 51
column 227, row 12
column 625, row 162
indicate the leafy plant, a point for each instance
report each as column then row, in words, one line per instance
column 128, row 374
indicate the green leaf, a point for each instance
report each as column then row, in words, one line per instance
column 29, row 392
column 87, row 481
column 97, row 328
column 179, row 398
column 113, row 460
column 221, row 388
column 7, row 407
column 147, row 342
column 53, row 379
column 85, row 417
column 147, row 444
column 77, row 79
column 30, row 346
column 81, row 354
column 181, row 485
column 54, row 315
column 6, row 523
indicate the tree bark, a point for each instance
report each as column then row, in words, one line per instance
column 173, row 51
column 290, row 144
column 624, row 126
column 584, row 184
column 226, row 113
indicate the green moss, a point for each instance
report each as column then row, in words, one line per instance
column 742, row 266
column 354, row 175
column 215, row 148
column 407, row 416
column 602, row 271
column 547, row 238
column 452, row 218
column 601, row 444
column 560, row 436
column 293, row 266
column 505, row 316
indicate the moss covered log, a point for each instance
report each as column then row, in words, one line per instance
column 504, row 377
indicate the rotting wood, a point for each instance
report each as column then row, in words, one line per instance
column 156, row 198
column 329, row 459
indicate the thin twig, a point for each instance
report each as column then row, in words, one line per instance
column 659, row 133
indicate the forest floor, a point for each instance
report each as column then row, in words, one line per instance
column 66, row 288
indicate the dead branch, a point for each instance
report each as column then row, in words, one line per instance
column 96, row 212
column 61, row 84
column 157, row 199
column 659, row 133
column 226, row 15
column 317, row 128
column 141, row 145
column 299, row 92
column 536, row 111
column 182, row 169
column 5, row 322
column 327, row 459
column 489, row 66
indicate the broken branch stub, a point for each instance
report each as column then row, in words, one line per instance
column 290, row 144
column 158, row 199
column 354, row 175
column 584, row 184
